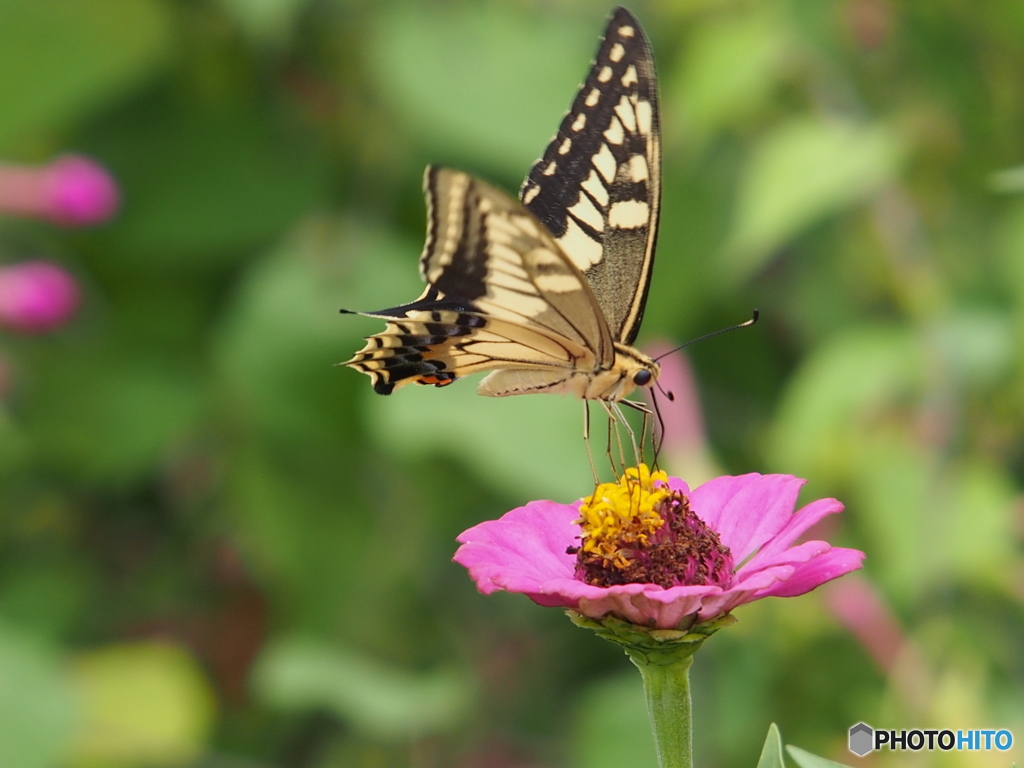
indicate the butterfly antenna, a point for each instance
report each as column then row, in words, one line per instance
column 745, row 324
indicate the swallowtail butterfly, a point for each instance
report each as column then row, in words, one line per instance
column 545, row 292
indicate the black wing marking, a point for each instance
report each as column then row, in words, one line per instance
column 597, row 187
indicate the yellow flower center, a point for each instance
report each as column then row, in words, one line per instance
column 621, row 517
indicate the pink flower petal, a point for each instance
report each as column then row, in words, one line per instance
column 797, row 524
column 643, row 609
column 747, row 510
column 533, row 538
column 792, row 556
column 812, row 574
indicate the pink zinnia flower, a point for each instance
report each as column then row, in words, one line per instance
column 71, row 191
column 36, row 296
column 729, row 542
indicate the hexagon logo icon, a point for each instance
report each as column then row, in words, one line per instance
column 861, row 739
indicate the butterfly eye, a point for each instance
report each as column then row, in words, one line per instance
column 642, row 377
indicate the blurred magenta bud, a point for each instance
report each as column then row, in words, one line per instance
column 80, row 191
column 72, row 191
column 36, row 296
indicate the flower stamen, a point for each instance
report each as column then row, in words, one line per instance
column 638, row 530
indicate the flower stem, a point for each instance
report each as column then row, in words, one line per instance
column 667, row 688
column 663, row 657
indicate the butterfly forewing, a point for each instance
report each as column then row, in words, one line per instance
column 597, row 187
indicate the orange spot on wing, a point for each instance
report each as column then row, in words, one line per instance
column 437, row 381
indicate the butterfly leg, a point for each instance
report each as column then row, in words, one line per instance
column 615, row 438
column 643, row 437
column 586, row 441
column 642, row 407
column 608, row 445
column 617, row 420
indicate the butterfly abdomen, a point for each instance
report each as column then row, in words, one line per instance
column 628, row 370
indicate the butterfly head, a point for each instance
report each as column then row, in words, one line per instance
column 632, row 369
column 646, row 372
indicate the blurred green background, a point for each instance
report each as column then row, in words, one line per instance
column 218, row 550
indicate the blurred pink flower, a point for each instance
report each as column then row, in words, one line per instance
column 752, row 516
column 858, row 606
column 861, row 608
column 682, row 438
column 71, row 191
column 36, row 296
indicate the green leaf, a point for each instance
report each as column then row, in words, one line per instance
column 612, row 727
column 201, row 187
column 912, row 509
column 808, row 168
column 37, row 707
column 805, row 759
column 980, row 546
column 977, row 347
column 282, row 337
column 1008, row 180
column 115, row 417
column 269, row 22
column 45, row 593
column 901, row 511
column 771, row 752
column 142, row 704
column 64, row 58
column 521, row 444
column 14, row 444
column 836, row 387
column 730, row 66
column 303, row 674
column 446, row 71
column 1009, row 244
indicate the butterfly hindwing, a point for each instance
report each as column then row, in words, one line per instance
column 501, row 295
column 597, row 187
